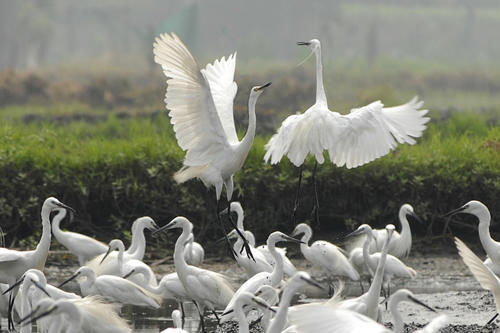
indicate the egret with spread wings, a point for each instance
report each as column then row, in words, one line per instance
column 201, row 112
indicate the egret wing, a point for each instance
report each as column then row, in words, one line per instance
column 220, row 76
column 193, row 114
column 435, row 325
column 486, row 278
column 9, row 255
column 372, row 131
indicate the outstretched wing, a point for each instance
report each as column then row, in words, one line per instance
column 193, row 114
column 220, row 76
column 372, row 131
column 486, row 278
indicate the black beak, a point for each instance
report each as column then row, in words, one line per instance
column 41, row 315
column 421, row 303
column 60, row 204
column 262, row 87
column 303, row 43
column 456, row 211
column 416, row 217
column 356, row 232
column 259, row 301
column 41, row 288
column 105, row 255
column 128, row 274
column 72, row 277
column 291, row 239
column 18, row 282
column 165, row 227
column 313, row 283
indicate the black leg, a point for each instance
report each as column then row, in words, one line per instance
column 315, row 210
column 10, row 307
column 202, row 322
column 492, row 319
column 296, row 202
column 233, row 252
column 361, row 285
column 183, row 314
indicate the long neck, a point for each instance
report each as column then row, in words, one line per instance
column 396, row 315
column 121, row 249
column 279, row 320
column 179, row 261
column 277, row 273
column 320, row 89
column 366, row 252
column 138, row 244
column 239, row 220
column 484, row 232
column 56, row 221
column 304, row 247
column 374, row 291
column 242, row 319
column 42, row 249
column 246, row 143
column 405, row 234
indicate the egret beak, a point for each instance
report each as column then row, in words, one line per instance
column 60, row 204
column 29, row 315
column 72, row 277
column 304, row 43
column 262, row 87
column 165, row 227
column 129, row 273
column 456, row 211
column 356, row 232
column 224, row 211
column 154, row 227
column 105, row 255
column 416, row 217
column 220, row 240
column 39, row 286
column 41, row 315
column 259, row 301
column 421, row 303
column 291, row 239
column 313, row 283
column 227, row 312
column 18, row 282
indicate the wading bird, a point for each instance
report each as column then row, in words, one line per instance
column 324, row 254
column 400, row 245
column 352, row 140
column 14, row 263
column 193, row 252
column 205, row 288
column 82, row 246
column 177, row 321
column 490, row 246
column 201, row 112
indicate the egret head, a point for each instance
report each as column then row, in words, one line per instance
column 178, row 222
column 146, row 222
column 301, row 228
column 405, row 295
column 362, row 229
column 406, row 210
column 257, row 90
column 473, row 207
column 278, row 236
column 314, row 44
column 50, row 204
column 301, row 279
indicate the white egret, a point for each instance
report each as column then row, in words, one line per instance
column 324, row 254
column 193, row 252
column 352, row 140
column 490, row 246
column 14, row 263
column 87, row 315
column 400, row 245
column 82, row 246
column 241, row 300
column 138, row 243
column 177, row 321
column 253, row 266
column 264, row 278
column 367, row 303
column 125, row 265
column 483, row 274
column 114, row 288
column 205, row 288
column 393, row 266
column 201, row 112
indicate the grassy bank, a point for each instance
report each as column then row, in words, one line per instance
column 119, row 168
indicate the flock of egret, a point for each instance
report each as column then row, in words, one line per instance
column 201, row 111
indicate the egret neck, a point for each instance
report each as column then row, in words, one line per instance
column 320, row 89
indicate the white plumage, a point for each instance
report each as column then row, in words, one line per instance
column 201, row 112
column 361, row 136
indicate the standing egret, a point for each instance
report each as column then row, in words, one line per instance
column 264, row 278
column 324, row 254
column 87, row 315
column 483, row 274
column 193, row 252
column 201, row 112
column 241, row 300
column 177, row 321
column 253, row 266
column 138, row 243
column 352, row 140
column 490, row 246
column 125, row 265
column 400, row 245
column 82, row 246
column 113, row 288
column 393, row 266
column 205, row 288
column 14, row 263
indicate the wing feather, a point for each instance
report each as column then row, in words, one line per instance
column 192, row 110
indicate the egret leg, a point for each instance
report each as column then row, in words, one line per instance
column 233, row 252
column 361, row 285
column 183, row 314
column 492, row 319
column 10, row 321
column 297, row 192
column 245, row 245
column 315, row 210
column 202, row 322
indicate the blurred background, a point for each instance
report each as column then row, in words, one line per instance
column 88, row 65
